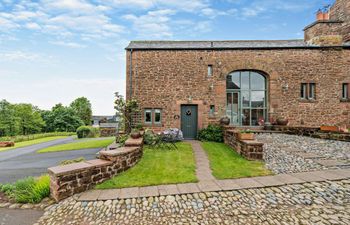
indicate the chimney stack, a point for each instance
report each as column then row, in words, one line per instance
column 322, row 15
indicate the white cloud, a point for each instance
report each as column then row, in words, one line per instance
column 23, row 56
column 181, row 5
column 33, row 26
column 154, row 24
column 68, row 44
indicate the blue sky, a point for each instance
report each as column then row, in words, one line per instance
column 54, row 51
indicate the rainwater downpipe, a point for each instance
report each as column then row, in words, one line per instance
column 130, row 71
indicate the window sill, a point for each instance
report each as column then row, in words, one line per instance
column 152, row 125
column 345, row 100
column 308, row 100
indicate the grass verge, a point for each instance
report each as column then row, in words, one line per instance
column 157, row 166
column 78, row 145
column 226, row 163
column 32, row 142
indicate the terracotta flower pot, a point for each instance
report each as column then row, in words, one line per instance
column 246, row 136
column 225, row 121
column 282, row 122
column 135, row 135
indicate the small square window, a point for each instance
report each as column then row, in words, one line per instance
column 210, row 70
column 312, row 90
column 212, row 110
column 158, row 116
column 303, row 91
column 345, row 91
column 148, row 116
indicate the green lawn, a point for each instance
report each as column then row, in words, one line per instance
column 226, row 163
column 81, row 144
column 32, row 142
column 157, row 166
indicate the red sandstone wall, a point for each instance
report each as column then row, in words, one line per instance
column 165, row 79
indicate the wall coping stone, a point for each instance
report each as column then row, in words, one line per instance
column 131, row 142
column 70, row 168
column 251, row 142
column 119, row 151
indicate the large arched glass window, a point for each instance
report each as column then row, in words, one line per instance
column 246, row 98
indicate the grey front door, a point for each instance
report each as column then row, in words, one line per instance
column 189, row 120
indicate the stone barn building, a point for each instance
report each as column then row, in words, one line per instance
column 190, row 84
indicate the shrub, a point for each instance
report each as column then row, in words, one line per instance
column 28, row 190
column 211, row 133
column 150, row 138
column 70, row 161
column 87, row 132
column 121, row 139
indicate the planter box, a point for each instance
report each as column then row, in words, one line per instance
column 246, row 136
column 7, row 144
column 330, row 128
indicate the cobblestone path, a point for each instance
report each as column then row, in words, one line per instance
column 310, row 203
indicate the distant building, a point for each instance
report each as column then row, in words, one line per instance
column 108, row 125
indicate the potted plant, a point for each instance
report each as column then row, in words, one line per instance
column 329, row 128
column 246, row 135
column 282, row 121
column 135, row 134
column 225, row 121
column 268, row 126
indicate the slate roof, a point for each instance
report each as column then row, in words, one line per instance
column 216, row 44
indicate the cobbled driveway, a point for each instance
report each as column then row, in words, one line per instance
column 310, row 203
column 285, row 153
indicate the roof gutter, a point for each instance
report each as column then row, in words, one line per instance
column 238, row 48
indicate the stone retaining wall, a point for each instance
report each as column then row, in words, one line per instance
column 314, row 132
column 74, row 178
column 251, row 150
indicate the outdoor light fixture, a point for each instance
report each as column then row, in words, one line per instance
column 190, row 99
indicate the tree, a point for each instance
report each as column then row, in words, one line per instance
column 82, row 108
column 8, row 120
column 126, row 110
column 61, row 118
column 28, row 118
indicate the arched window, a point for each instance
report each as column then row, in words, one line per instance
column 246, row 98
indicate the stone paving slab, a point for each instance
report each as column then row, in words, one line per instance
column 307, row 155
column 268, row 181
column 129, row 193
column 328, row 175
column 210, row 185
column 248, row 183
column 228, row 185
column 168, row 189
column 188, row 188
column 308, row 177
column 345, row 173
column 289, row 179
column 90, row 195
column 109, row 194
column 332, row 162
column 148, row 191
